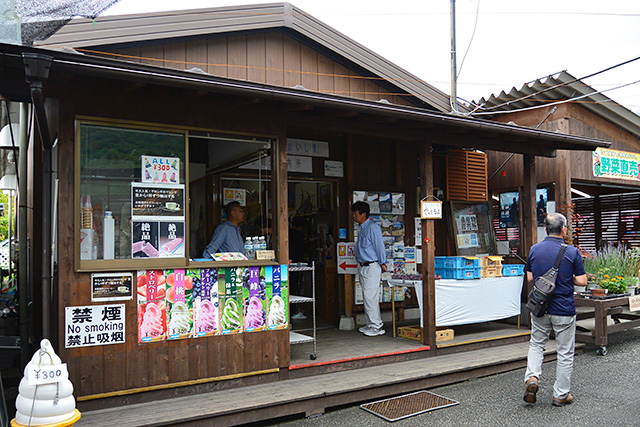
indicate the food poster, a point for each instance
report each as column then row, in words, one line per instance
column 160, row 169
column 171, row 239
column 255, row 298
column 206, row 312
column 230, row 296
column 179, row 304
column 276, row 280
column 152, row 313
column 144, row 243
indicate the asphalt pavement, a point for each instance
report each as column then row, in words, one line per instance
column 606, row 391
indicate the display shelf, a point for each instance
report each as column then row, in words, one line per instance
column 295, row 337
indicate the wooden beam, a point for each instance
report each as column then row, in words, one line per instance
column 348, row 278
column 428, row 251
column 281, row 212
column 563, row 187
column 530, row 224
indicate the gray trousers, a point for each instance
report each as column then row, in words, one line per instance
column 370, row 282
column 565, row 331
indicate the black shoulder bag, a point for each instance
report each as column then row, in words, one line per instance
column 544, row 287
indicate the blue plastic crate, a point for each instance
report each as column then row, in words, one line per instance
column 512, row 269
column 443, row 262
column 459, row 273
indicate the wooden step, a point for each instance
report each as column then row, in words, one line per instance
column 312, row 395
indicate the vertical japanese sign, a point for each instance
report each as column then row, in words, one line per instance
column 94, row 325
column 277, row 295
column 152, row 308
column 230, row 294
column 179, row 305
column 255, row 296
column 205, row 301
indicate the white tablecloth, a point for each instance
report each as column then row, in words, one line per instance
column 461, row 302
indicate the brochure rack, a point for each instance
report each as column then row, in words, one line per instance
column 295, row 337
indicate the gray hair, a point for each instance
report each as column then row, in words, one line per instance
column 554, row 222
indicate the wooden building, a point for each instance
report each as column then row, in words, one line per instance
column 604, row 206
column 216, row 89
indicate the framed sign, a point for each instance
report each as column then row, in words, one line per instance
column 431, row 209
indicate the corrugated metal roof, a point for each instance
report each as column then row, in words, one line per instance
column 558, row 87
column 123, row 29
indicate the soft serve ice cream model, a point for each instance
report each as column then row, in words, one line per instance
column 45, row 393
column 254, row 291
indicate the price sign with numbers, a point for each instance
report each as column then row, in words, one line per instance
column 46, row 374
column 430, row 209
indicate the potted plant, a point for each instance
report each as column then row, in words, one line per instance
column 614, row 268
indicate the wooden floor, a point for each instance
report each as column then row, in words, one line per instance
column 383, row 372
column 311, row 395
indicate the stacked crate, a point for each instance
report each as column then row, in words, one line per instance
column 512, row 269
column 457, row 267
column 491, row 266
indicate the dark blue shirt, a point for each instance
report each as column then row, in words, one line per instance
column 542, row 257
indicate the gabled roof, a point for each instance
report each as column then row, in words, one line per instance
column 147, row 27
column 559, row 87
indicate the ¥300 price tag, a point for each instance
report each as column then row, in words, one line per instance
column 634, row 303
column 47, row 374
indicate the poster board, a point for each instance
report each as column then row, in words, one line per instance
column 470, row 228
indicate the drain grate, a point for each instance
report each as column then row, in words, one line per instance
column 398, row 408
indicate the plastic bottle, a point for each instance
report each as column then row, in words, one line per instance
column 263, row 243
column 256, row 246
column 108, row 232
column 248, row 248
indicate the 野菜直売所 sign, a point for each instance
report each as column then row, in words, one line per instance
column 616, row 164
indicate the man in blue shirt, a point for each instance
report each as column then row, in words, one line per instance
column 227, row 237
column 372, row 262
column 561, row 311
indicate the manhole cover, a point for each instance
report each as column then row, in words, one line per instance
column 406, row 406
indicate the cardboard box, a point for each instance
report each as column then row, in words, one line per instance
column 444, row 335
column 410, row 332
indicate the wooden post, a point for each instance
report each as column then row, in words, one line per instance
column 563, row 188
column 530, row 224
column 348, row 278
column 281, row 211
column 428, row 252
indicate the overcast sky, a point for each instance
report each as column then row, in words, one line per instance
column 515, row 42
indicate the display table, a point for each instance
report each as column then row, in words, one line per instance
column 461, row 302
column 604, row 307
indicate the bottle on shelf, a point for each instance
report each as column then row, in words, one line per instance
column 256, row 246
column 263, row 243
column 248, row 248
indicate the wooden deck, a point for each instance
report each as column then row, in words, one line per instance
column 313, row 394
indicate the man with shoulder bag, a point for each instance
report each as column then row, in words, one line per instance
column 553, row 309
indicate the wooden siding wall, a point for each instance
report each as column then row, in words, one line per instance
column 108, row 368
column 570, row 119
column 264, row 57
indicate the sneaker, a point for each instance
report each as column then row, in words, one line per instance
column 364, row 329
column 531, row 390
column 373, row 332
column 299, row 316
column 561, row 402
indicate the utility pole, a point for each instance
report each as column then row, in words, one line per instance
column 454, row 72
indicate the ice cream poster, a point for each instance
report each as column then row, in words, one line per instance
column 255, row 296
column 206, row 314
column 160, row 169
column 171, row 239
column 151, row 306
column 144, row 242
column 276, row 281
column 179, row 304
column 230, row 295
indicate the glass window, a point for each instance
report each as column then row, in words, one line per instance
column 132, row 193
